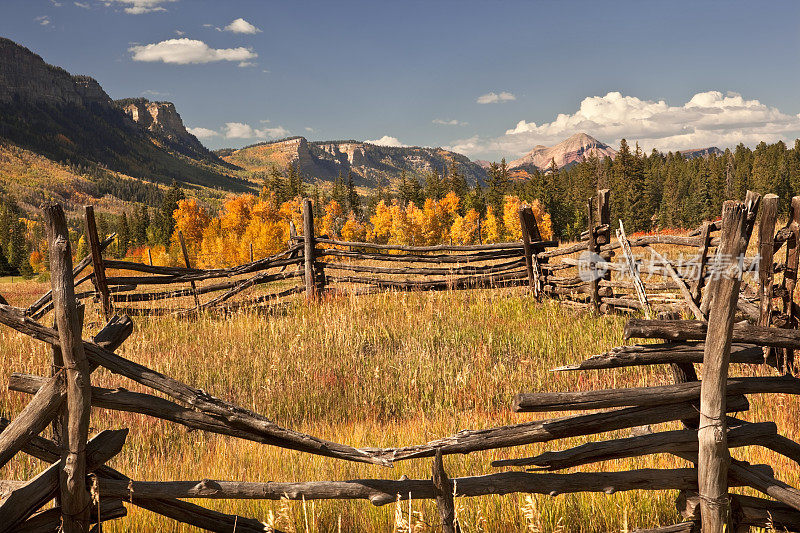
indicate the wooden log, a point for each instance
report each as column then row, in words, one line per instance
column 530, row 232
column 467, row 441
column 687, row 295
column 433, row 248
column 201, row 400
column 682, row 440
column 604, row 239
column 594, row 250
column 309, row 250
column 463, row 258
column 705, row 238
column 789, row 281
column 85, row 262
column 243, row 285
column 73, row 497
column 766, row 249
column 97, row 261
column 713, row 455
column 693, row 330
column 34, row 418
column 188, row 265
column 681, row 527
column 382, row 492
column 646, row 396
column 185, row 512
column 665, row 353
column 491, row 280
column 468, row 270
column 50, row 520
column 765, row 483
column 633, row 268
column 120, row 399
column 443, row 492
column 24, row 501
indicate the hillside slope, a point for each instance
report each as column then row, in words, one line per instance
column 71, row 119
column 370, row 164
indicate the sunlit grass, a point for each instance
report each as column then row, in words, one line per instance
column 387, row 369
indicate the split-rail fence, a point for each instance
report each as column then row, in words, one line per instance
column 705, row 408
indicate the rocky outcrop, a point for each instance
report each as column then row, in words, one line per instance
column 370, row 164
column 162, row 120
column 700, row 152
column 26, row 78
column 568, row 152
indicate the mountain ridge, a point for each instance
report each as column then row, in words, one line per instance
column 571, row 150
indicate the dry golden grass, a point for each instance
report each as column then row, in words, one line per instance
column 380, row 370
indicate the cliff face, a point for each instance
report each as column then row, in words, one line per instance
column 370, row 164
column 163, row 121
column 71, row 119
column 25, row 77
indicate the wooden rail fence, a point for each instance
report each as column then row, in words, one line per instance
column 705, row 408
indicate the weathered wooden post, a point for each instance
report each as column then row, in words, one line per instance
column 705, row 238
column 634, row 269
column 149, row 256
column 594, row 251
column 713, row 455
column 790, row 279
column 74, row 496
column 766, row 252
column 189, row 265
column 308, row 249
column 530, row 232
column 97, row 261
column 443, row 489
column 603, row 238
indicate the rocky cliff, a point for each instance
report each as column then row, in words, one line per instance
column 71, row 119
column 370, row 164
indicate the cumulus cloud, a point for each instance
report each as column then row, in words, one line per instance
column 387, row 141
column 184, row 51
column 453, row 122
column 240, row 130
column 202, row 133
column 495, row 98
column 241, row 26
column 711, row 118
column 138, row 7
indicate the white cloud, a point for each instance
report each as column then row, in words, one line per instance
column 184, row 51
column 138, row 7
column 44, row 20
column 494, row 98
column 202, row 133
column 180, row 33
column 154, row 93
column 241, row 26
column 453, row 122
column 387, row 141
column 709, row 118
column 245, row 64
column 82, row 5
column 240, row 130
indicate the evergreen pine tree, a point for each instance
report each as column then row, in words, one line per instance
column 353, row 199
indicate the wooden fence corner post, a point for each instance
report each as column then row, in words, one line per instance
column 309, row 250
column 443, row 490
column 766, row 253
column 603, row 238
column 530, row 232
column 189, row 265
column 97, row 261
column 594, row 251
column 713, row 455
column 74, row 497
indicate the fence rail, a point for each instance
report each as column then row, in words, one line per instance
column 714, row 340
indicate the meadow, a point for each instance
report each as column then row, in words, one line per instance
column 386, row 369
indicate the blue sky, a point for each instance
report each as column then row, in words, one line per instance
column 487, row 78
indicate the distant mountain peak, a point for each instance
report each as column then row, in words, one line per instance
column 568, row 152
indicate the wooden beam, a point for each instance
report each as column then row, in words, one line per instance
column 309, row 249
column 530, row 232
column 697, row 286
column 189, row 265
column 687, row 295
column 21, row 503
column 694, row 330
column 633, row 268
column 713, row 456
column 97, row 261
column 74, row 497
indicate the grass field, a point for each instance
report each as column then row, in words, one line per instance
column 380, row 370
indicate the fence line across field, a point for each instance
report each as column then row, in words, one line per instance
column 706, row 408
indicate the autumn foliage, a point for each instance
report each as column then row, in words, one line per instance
column 245, row 220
